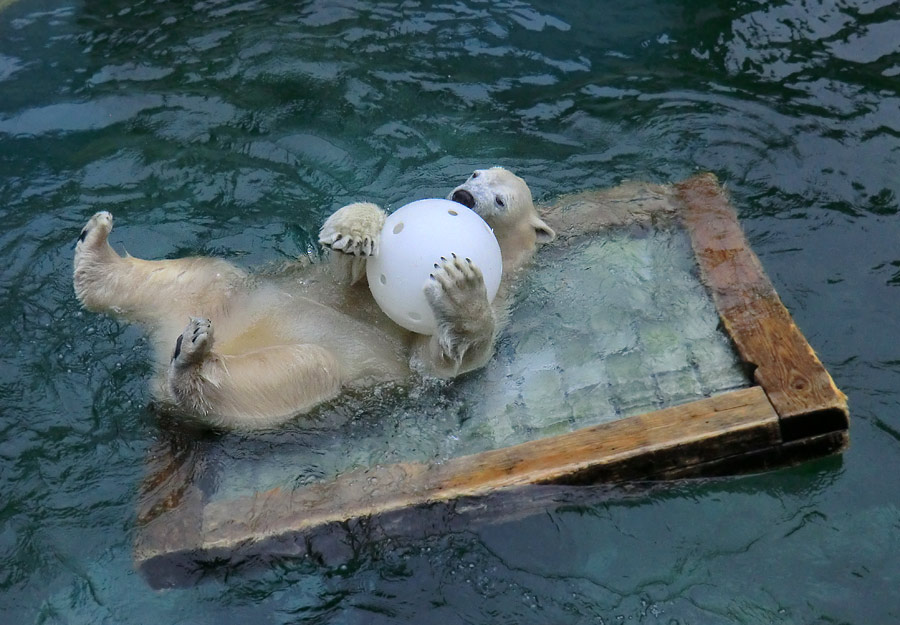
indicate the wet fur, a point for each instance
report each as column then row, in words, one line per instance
column 257, row 352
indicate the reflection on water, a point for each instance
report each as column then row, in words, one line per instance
column 233, row 128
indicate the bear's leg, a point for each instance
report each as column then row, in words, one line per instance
column 147, row 291
column 352, row 233
column 466, row 322
column 260, row 388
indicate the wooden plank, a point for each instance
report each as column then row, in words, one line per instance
column 333, row 541
column 170, row 507
column 731, row 423
column 626, row 205
column 796, row 382
column 764, row 459
column 172, row 464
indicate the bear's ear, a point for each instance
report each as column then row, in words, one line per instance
column 544, row 233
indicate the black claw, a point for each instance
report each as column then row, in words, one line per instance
column 436, row 265
column 469, row 260
column 177, row 347
column 83, row 235
column 453, row 255
column 443, row 259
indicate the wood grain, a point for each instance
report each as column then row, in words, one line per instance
column 727, row 424
column 796, row 382
column 767, row 458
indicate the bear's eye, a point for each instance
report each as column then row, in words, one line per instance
column 499, row 201
column 474, row 175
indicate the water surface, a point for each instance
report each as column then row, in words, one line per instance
column 233, row 128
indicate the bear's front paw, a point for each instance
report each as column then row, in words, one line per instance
column 194, row 344
column 458, row 297
column 354, row 229
column 96, row 230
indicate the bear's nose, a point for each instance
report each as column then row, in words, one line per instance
column 463, row 197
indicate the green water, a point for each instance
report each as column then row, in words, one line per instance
column 233, row 128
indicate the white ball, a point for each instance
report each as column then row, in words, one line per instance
column 413, row 239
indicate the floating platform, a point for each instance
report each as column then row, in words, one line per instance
column 647, row 344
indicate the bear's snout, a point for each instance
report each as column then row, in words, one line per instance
column 463, row 197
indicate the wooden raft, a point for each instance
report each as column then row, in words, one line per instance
column 793, row 413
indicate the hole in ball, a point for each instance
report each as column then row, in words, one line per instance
column 398, row 228
column 383, row 279
column 453, row 212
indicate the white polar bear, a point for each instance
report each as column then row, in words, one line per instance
column 257, row 352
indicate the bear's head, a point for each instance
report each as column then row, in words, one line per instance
column 504, row 201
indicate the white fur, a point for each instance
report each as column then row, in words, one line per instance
column 258, row 352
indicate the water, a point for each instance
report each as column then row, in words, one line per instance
column 233, row 128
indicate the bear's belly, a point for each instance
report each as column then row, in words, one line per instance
column 367, row 354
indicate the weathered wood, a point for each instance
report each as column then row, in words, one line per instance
column 700, row 431
column 172, row 465
column 170, row 507
column 673, row 436
column 796, row 382
column 629, row 204
column 764, row 459
column 340, row 542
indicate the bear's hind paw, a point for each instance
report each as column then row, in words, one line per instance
column 97, row 229
column 194, row 344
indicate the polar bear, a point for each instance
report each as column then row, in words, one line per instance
column 258, row 351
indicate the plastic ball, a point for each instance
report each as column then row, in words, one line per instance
column 413, row 239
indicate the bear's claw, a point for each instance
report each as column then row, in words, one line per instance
column 364, row 246
column 354, row 229
column 458, row 280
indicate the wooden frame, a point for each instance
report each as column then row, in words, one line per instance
column 794, row 413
